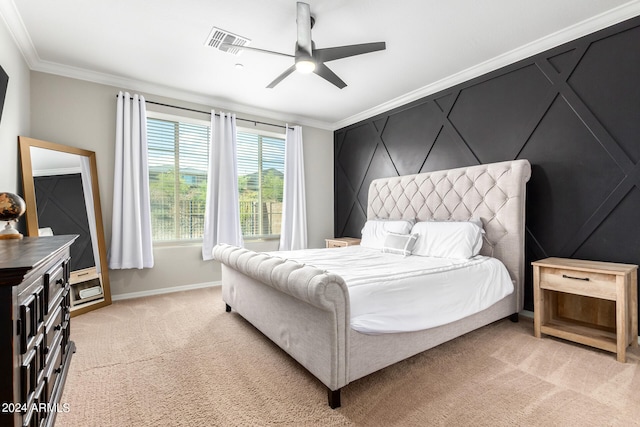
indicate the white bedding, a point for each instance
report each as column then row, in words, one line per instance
column 390, row 293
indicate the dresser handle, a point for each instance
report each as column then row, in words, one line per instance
column 586, row 279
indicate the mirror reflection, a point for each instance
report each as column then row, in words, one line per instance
column 61, row 192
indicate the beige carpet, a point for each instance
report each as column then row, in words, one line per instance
column 180, row 360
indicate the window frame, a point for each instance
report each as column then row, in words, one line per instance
column 240, row 129
column 180, row 119
column 273, row 135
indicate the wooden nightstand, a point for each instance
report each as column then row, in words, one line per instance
column 338, row 242
column 588, row 302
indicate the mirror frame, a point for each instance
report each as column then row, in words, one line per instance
column 31, row 214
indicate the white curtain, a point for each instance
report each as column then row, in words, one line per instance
column 222, row 211
column 131, row 245
column 294, row 212
column 87, row 187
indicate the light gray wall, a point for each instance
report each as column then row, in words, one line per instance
column 15, row 116
column 82, row 114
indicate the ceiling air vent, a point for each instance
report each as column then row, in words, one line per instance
column 217, row 37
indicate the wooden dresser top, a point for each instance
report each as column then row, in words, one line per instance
column 19, row 256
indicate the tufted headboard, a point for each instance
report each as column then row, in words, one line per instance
column 493, row 192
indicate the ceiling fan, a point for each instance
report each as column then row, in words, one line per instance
column 309, row 59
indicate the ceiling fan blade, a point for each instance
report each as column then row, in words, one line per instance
column 282, row 76
column 332, row 53
column 324, row 72
column 304, row 28
column 233, row 46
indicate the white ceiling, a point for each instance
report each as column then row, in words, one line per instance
column 158, row 47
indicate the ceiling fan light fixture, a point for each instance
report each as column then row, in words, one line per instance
column 308, row 59
column 305, row 66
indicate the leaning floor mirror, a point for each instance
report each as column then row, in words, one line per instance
column 61, row 191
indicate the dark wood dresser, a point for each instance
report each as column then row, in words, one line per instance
column 35, row 349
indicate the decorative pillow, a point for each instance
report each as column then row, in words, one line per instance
column 448, row 239
column 401, row 244
column 375, row 231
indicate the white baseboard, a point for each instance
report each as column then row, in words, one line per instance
column 161, row 291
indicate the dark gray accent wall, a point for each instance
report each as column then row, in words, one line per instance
column 572, row 111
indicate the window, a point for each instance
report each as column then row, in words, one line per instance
column 178, row 161
column 260, row 183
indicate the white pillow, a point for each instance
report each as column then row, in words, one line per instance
column 448, row 239
column 375, row 231
column 400, row 244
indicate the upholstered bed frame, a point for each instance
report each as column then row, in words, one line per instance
column 305, row 310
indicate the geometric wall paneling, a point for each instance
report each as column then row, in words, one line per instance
column 563, row 62
column 577, row 175
column 381, row 166
column 349, row 214
column 338, row 140
column 345, row 199
column 379, row 124
column 587, row 115
column 409, row 145
column 531, row 253
column 572, row 111
column 357, row 218
column 445, row 102
column 356, row 155
column 609, row 234
column 504, row 100
column 607, row 80
column 448, row 152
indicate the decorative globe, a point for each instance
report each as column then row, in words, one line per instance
column 12, row 207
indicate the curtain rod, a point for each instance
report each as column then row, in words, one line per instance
column 255, row 122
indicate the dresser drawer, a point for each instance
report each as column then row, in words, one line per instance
column 40, row 355
column 30, row 419
column 54, row 284
column 586, row 283
column 53, row 371
column 41, row 399
column 28, row 377
column 66, row 334
column 53, row 331
column 30, row 319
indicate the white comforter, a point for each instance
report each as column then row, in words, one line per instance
column 391, row 293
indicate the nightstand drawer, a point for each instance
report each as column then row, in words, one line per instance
column 340, row 242
column 585, row 283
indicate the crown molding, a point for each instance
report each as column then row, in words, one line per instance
column 151, row 89
column 586, row 27
column 16, row 27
